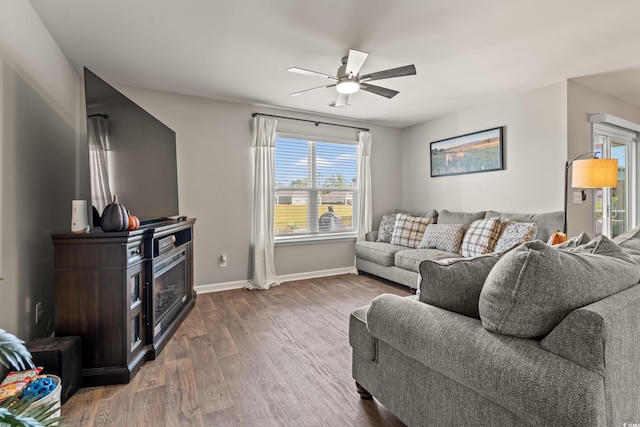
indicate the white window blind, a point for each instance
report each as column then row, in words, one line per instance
column 316, row 187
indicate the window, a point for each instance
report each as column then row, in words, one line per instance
column 315, row 188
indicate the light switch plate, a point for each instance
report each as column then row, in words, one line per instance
column 577, row 197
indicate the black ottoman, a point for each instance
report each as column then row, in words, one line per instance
column 61, row 356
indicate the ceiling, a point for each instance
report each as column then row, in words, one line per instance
column 466, row 52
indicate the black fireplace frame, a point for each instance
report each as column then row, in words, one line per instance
column 163, row 243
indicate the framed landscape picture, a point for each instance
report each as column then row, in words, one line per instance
column 471, row 153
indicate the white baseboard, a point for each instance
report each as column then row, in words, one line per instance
column 315, row 274
column 218, row 287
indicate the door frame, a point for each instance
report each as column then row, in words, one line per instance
column 628, row 137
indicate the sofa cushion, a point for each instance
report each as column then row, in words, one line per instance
column 547, row 223
column 481, row 237
column 446, row 237
column 408, row 230
column 630, row 243
column 515, row 233
column 378, row 252
column 456, row 284
column 466, row 218
column 533, row 287
column 433, row 214
column 385, row 231
column 410, row 259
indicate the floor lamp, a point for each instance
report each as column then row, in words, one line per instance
column 591, row 173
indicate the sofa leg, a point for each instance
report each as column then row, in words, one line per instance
column 364, row 394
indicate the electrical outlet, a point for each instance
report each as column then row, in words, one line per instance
column 38, row 312
column 222, row 261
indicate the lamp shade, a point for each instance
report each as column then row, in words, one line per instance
column 595, row 173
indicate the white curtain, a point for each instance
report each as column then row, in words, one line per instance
column 364, row 185
column 98, row 165
column 263, row 143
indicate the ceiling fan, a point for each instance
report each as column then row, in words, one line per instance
column 348, row 79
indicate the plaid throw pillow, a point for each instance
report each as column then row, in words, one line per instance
column 446, row 237
column 408, row 230
column 481, row 237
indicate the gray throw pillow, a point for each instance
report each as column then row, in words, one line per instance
column 629, row 242
column 533, row 287
column 386, row 228
column 446, row 237
column 455, row 285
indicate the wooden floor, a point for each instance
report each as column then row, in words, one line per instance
column 279, row 357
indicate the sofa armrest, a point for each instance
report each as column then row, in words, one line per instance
column 516, row 373
column 371, row 236
column 579, row 338
column 605, row 337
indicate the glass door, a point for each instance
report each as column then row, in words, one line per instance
column 619, row 202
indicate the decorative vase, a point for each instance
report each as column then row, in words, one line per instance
column 79, row 217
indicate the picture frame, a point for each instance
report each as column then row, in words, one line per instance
column 475, row 152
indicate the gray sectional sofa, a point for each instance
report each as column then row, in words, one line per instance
column 400, row 264
column 537, row 335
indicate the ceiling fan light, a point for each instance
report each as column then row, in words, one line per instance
column 348, row 87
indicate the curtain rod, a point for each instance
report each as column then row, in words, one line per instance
column 316, row 122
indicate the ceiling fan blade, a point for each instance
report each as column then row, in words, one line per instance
column 382, row 91
column 311, row 73
column 407, row 70
column 310, row 90
column 342, row 100
column 354, row 61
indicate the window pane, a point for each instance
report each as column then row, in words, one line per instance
column 291, row 212
column 292, row 163
column 619, row 205
column 316, row 185
column 336, row 166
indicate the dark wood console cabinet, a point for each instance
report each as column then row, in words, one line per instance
column 107, row 291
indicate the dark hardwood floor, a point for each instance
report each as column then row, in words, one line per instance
column 279, row 357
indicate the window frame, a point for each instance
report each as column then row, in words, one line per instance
column 312, row 210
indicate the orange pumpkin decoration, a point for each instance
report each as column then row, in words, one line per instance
column 557, row 238
column 134, row 223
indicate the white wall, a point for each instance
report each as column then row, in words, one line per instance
column 582, row 102
column 534, row 154
column 39, row 116
column 214, row 180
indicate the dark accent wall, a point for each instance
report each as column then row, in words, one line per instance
column 38, row 178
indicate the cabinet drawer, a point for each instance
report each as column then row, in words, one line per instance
column 134, row 252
